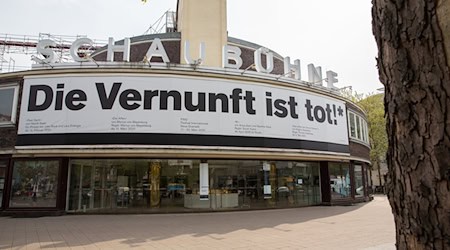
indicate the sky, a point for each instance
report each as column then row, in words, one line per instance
column 336, row 35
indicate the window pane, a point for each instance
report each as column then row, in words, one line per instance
column 174, row 185
column 358, row 128
column 352, row 126
column 339, row 180
column 359, row 181
column 6, row 104
column 34, row 184
column 363, row 130
column 367, row 132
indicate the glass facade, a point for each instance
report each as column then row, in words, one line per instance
column 3, row 165
column 352, row 124
column 359, row 185
column 358, row 127
column 139, row 185
column 339, row 180
column 177, row 185
column 34, row 184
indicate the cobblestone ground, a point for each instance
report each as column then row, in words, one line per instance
column 363, row 226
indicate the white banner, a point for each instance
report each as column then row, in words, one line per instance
column 178, row 105
column 204, row 181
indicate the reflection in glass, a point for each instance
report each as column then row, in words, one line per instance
column 352, row 125
column 173, row 185
column 339, row 180
column 363, row 130
column 6, row 104
column 34, row 184
column 358, row 128
column 359, row 186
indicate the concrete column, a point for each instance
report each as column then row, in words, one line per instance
column 203, row 21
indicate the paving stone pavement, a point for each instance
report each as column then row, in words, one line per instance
column 368, row 226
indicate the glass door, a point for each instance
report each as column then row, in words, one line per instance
column 175, row 180
column 105, row 186
column 81, row 186
column 109, row 184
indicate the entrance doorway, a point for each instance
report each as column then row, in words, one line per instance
column 107, row 184
column 115, row 184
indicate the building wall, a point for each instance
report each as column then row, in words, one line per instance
column 172, row 44
column 203, row 21
column 355, row 108
column 359, row 150
column 138, row 50
column 248, row 59
column 8, row 134
column 71, row 156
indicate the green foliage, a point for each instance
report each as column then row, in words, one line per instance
column 351, row 95
column 374, row 107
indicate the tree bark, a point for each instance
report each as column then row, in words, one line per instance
column 413, row 39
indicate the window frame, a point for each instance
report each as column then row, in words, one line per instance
column 13, row 120
column 363, row 128
column 352, row 115
column 358, row 128
column 341, row 166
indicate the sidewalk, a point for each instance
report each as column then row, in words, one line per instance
column 363, row 226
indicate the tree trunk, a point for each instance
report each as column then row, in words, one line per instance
column 413, row 38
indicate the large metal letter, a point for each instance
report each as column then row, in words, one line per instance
column 187, row 55
column 258, row 60
column 232, row 53
column 43, row 47
column 125, row 48
column 315, row 74
column 157, row 50
column 292, row 71
column 331, row 79
column 76, row 45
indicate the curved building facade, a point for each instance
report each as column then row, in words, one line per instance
column 156, row 132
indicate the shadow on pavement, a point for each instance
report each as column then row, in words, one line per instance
column 131, row 230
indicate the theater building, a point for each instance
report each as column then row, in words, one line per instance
column 184, row 121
